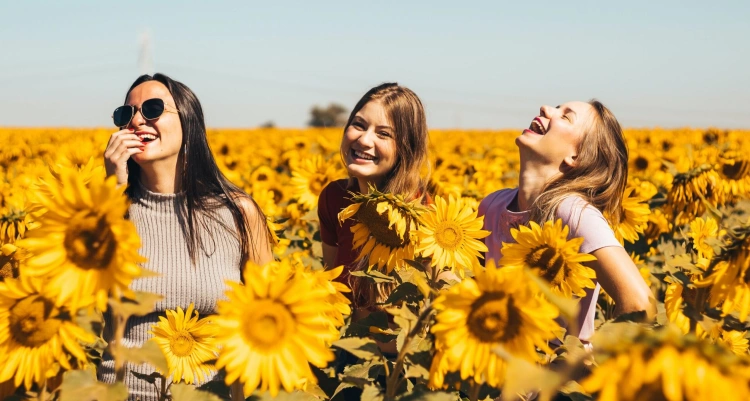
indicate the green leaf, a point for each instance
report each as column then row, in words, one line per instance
column 363, row 373
column 378, row 319
column 149, row 353
column 407, row 292
column 374, row 275
column 151, row 378
column 371, row 393
column 187, row 392
column 143, row 304
column 417, row 265
column 568, row 307
column 342, row 387
column 426, row 395
column 79, row 385
column 283, row 396
column 363, row 348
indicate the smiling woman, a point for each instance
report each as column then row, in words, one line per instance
column 385, row 146
column 197, row 228
column 573, row 171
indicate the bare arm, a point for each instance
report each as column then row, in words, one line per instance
column 259, row 246
column 329, row 255
column 619, row 276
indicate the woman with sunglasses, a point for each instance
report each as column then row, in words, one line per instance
column 197, row 229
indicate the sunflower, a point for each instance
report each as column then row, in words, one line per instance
column 547, row 251
column 728, row 275
column 633, row 217
column 734, row 170
column 84, row 239
column 449, row 235
column 187, row 343
column 674, row 299
column 665, row 365
column 273, row 328
column 700, row 230
column 656, row 226
column 35, row 335
column 386, row 228
column 311, row 176
column 498, row 307
column 735, row 341
column 691, row 191
column 14, row 222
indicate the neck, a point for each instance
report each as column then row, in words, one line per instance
column 531, row 182
column 161, row 178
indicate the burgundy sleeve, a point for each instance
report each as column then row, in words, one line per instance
column 328, row 221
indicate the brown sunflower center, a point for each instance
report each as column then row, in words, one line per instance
column 550, row 263
column 735, row 169
column 90, row 242
column 31, row 321
column 378, row 225
column 182, row 343
column 641, row 163
column 268, row 324
column 449, row 235
column 317, row 182
column 494, row 318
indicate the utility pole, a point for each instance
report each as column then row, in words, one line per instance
column 145, row 59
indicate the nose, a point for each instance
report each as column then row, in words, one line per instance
column 545, row 111
column 137, row 119
column 366, row 139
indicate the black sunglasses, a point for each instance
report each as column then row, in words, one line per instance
column 151, row 109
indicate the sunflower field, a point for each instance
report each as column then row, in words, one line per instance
column 446, row 326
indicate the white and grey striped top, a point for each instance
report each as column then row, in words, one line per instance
column 160, row 220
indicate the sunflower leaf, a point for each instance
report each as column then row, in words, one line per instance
column 143, row 304
column 79, row 385
column 186, row 392
column 371, row 393
column 149, row 353
column 407, row 292
column 374, row 275
column 363, row 348
column 568, row 307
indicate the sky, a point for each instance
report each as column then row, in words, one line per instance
column 474, row 64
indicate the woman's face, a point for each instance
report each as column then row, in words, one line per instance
column 555, row 134
column 369, row 145
column 161, row 137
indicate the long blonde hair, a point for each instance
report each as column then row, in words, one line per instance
column 599, row 175
column 406, row 113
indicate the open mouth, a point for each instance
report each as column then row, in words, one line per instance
column 146, row 138
column 362, row 156
column 537, row 127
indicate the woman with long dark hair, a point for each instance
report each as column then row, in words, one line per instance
column 197, row 228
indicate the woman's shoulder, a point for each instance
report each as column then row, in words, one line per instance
column 498, row 199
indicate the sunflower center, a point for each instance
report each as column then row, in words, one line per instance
column 736, row 170
column 449, row 235
column 182, row 343
column 31, row 323
column 316, row 183
column 268, row 325
column 549, row 261
column 89, row 242
column 494, row 318
column 641, row 163
column 378, row 225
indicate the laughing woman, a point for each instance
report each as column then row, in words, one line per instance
column 197, row 229
column 385, row 145
column 573, row 166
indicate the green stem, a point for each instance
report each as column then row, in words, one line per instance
column 391, row 384
column 475, row 387
column 119, row 334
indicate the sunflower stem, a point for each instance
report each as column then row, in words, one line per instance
column 119, row 334
column 475, row 387
column 391, row 384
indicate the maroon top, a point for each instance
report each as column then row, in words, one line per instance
column 333, row 199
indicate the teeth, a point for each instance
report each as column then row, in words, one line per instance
column 148, row 136
column 540, row 127
column 362, row 155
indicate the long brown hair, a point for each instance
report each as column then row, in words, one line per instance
column 599, row 175
column 406, row 114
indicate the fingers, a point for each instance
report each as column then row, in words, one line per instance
column 116, row 140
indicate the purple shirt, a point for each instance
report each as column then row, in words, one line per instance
column 584, row 221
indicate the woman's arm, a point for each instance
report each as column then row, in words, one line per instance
column 329, row 255
column 620, row 278
column 259, row 244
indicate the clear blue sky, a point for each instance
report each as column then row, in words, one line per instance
column 487, row 64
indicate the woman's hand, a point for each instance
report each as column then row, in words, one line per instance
column 122, row 144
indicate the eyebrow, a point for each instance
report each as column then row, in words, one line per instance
column 358, row 117
column 567, row 110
